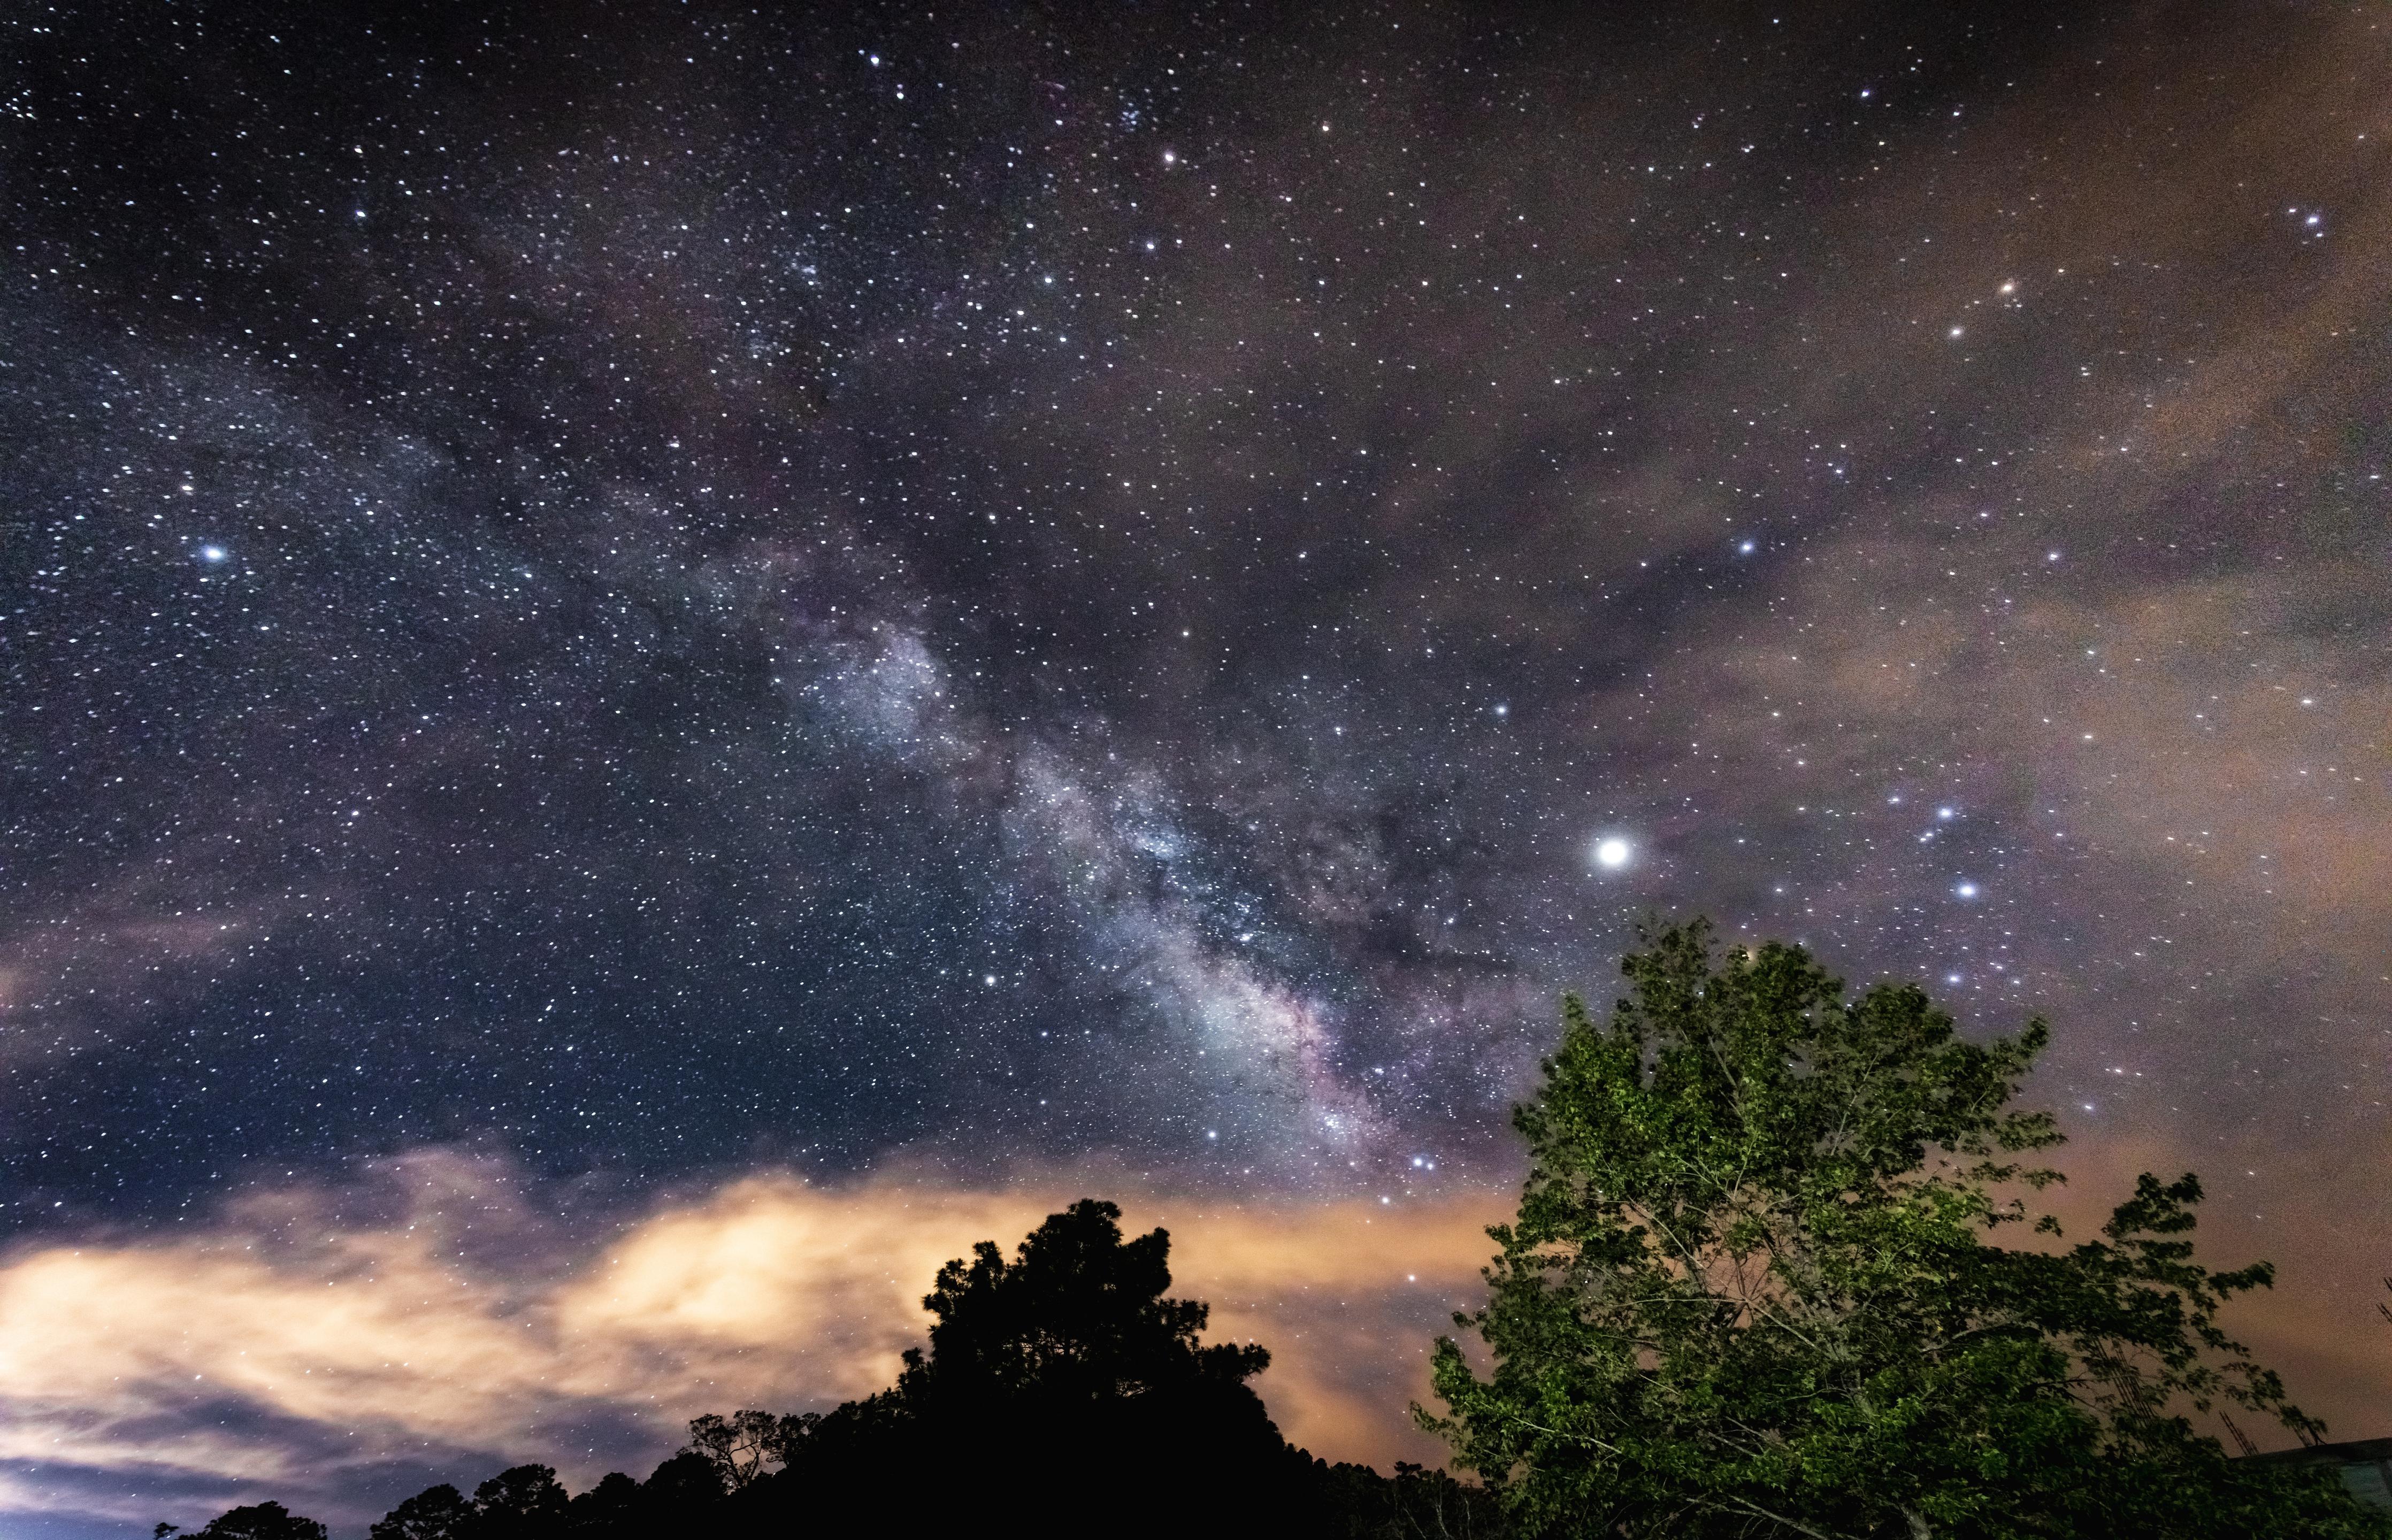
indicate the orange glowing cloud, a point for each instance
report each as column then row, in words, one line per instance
column 403, row 1340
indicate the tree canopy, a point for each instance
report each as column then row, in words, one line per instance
column 1061, row 1390
column 1751, row 1291
column 1068, row 1367
column 256, row 1521
column 1080, row 1316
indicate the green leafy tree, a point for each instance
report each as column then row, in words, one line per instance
column 1751, row 1291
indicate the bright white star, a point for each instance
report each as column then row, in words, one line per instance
column 1613, row 853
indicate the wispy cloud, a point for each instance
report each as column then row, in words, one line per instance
column 279, row 1351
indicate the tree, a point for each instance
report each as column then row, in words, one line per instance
column 738, row 1445
column 261, row 1522
column 686, row 1483
column 522, row 1500
column 1357, row 1503
column 1079, row 1317
column 1062, row 1391
column 436, row 1513
column 1750, row 1291
column 611, row 1506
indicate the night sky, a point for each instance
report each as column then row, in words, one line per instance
column 647, row 632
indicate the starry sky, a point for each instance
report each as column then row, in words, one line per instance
column 659, row 662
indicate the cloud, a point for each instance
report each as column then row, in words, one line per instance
column 2194, row 734
column 282, row 1353
column 67, row 979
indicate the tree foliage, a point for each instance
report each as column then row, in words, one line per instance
column 256, row 1521
column 1068, row 1364
column 1751, row 1291
column 524, row 1500
column 1062, row 1391
column 1080, row 1316
column 737, row 1446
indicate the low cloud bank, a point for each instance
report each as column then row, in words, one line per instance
column 290, row 1349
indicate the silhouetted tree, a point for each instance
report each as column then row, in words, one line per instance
column 436, row 1513
column 523, row 1500
column 1357, row 1503
column 738, row 1445
column 1062, row 1391
column 1750, row 1292
column 261, row 1522
column 1080, row 1316
column 1065, row 1374
column 528, row 1503
column 688, row 1482
column 613, row 1504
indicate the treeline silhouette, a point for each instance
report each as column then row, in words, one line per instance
column 1752, row 1292
column 1062, row 1393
